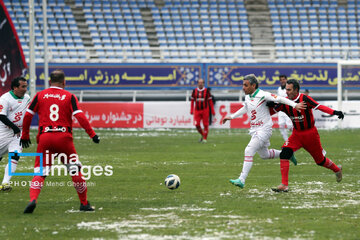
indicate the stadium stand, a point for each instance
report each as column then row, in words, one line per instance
column 173, row 30
column 320, row 29
column 64, row 39
column 214, row 28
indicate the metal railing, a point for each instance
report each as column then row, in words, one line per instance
column 201, row 54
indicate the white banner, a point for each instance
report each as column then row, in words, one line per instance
column 167, row 115
column 351, row 110
column 177, row 115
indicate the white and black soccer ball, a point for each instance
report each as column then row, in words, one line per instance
column 172, row 181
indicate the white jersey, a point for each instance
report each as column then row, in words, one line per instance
column 14, row 108
column 258, row 112
column 281, row 92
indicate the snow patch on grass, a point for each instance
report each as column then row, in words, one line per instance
column 183, row 208
column 138, row 226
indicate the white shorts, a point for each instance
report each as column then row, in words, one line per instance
column 9, row 144
column 284, row 120
column 259, row 143
column 263, row 134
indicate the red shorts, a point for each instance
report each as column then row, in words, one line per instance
column 309, row 140
column 52, row 143
column 201, row 115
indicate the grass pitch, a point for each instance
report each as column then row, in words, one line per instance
column 133, row 203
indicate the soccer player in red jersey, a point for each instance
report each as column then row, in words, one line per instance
column 304, row 134
column 201, row 96
column 55, row 107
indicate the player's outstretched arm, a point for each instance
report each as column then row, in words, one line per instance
column 5, row 120
column 84, row 123
column 279, row 99
column 226, row 119
column 330, row 111
column 25, row 137
column 238, row 113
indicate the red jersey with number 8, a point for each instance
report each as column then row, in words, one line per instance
column 55, row 107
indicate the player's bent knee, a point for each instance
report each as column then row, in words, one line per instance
column 286, row 153
column 15, row 157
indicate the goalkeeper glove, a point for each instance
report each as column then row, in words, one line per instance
column 340, row 114
column 96, row 139
column 25, row 143
column 271, row 104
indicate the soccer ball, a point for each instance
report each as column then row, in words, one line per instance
column 172, row 181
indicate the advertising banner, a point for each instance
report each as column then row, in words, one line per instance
column 185, row 76
column 126, row 76
column 309, row 75
column 167, row 115
column 113, row 115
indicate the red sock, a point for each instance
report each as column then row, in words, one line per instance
column 330, row 165
column 35, row 188
column 284, row 168
column 80, row 187
column 200, row 130
column 206, row 130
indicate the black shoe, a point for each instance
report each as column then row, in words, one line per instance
column 30, row 207
column 281, row 188
column 87, row 207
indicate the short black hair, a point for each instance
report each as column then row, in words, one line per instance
column 16, row 82
column 283, row 76
column 295, row 83
column 252, row 79
column 57, row 76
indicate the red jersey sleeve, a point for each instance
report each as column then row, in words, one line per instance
column 192, row 102
column 315, row 105
column 211, row 103
column 30, row 112
column 75, row 104
column 26, row 125
column 80, row 116
column 33, row 107
column 277, row 108
column 84, row 123
column 310, row 102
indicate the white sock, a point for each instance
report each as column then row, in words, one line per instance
column 283, row 132
column 248, row 162
column 269, row 153
column 273, row 153
column 7, row 177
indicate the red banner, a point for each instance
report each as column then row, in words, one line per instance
column 12, row 61
column 113, row 115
